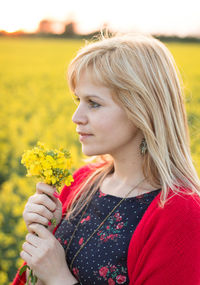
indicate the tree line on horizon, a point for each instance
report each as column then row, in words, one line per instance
column 46, row 28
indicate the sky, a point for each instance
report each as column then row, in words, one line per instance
column 177, row 17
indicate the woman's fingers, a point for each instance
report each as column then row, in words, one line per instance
column 29, row 248
column 38, row 213
column 42, row 207
column 35, row 218
column 42, row 199
column 25, row 256
column 33, row 240
column 43, row 188
column 41, row 231
column 40, row 210
column 50, row 191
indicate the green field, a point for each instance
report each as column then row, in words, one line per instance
column 36, row 105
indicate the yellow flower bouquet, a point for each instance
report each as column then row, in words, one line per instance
column 53, row 168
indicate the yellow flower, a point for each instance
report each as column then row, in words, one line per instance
column 53, row 180
column 48, row 173
column 41, row 145
column 50, row 165
column 68, row 180
column 35, row 169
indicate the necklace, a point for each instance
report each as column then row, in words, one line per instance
column 101, row 224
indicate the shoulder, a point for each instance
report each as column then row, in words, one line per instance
column 180, row 217
column 179, row 209
column 177, row 223
column 170, row 237
column 182, row 207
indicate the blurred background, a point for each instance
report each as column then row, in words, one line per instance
column 37, row 41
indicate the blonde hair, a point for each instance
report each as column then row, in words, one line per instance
column 143, row 77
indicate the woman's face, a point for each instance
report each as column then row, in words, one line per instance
column 108, row 129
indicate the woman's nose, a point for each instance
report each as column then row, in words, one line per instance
column 79, row 116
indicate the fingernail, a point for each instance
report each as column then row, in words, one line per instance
column 55, row 194
column 49, row 223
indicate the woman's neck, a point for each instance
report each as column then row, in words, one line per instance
column 126, row 176
column 128, row 171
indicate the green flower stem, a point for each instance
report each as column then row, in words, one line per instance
column 31, row 276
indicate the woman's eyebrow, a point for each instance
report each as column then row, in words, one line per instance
column 86, row 96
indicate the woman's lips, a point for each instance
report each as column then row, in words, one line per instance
column 84, row 136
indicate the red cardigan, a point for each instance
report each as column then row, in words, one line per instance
column 165, row 247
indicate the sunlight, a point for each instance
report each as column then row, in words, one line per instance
column 130, row 15
column 16, row 15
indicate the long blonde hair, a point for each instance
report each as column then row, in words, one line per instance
column 143, row 77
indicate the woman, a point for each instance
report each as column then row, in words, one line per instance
column 133, row 216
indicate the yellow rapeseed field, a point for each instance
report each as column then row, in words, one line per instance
column 36, row 105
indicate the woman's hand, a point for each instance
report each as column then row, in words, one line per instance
column 42, row 207
column 46, row 257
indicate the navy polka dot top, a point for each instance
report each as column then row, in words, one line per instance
column 103, row 260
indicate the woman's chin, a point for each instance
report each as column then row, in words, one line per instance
column 90, row 152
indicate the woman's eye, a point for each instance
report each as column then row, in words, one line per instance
column 76, row 100
column 91, row 103
column 94, row 104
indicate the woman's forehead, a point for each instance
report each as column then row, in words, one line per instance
column 88, row 77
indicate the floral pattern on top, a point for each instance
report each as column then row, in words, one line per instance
column 85, row 219
column 76, row 272
column 112, row 274
column 111, row 230
column 103, row 260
